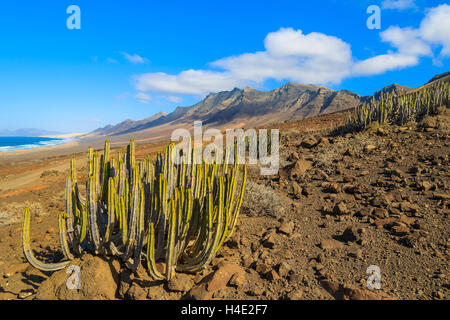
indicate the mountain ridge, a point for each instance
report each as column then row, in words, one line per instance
column 291, row 101
column 249, row 106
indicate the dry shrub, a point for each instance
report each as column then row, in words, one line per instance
column 261, row 200
column 12, row 212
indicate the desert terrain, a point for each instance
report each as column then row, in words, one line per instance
column 339, row 204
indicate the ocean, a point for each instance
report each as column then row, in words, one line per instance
column 22, row 143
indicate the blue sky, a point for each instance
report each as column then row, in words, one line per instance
column 131, row 59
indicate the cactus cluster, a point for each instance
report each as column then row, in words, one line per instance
column 177, row 212
column 390, row 108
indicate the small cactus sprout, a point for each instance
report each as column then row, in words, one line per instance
column 176, row 213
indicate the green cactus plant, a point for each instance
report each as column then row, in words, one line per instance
column 181, row 212
column 396, row 109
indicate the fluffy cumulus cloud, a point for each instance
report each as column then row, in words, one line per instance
column 407, row 41
column 435, row 28
column 314, row 58
column 398, row 4
column 289, row 54
column 186, row 82
column 382, row 63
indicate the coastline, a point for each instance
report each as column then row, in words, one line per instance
column 69, row 147
column 66, row 144
column 49, row 142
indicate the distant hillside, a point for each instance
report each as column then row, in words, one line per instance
column 437, row 78
column 393, row 89
column 250, row 107
column 27, row 132
column 126, row 125
column 442, row 76
column 290, row 102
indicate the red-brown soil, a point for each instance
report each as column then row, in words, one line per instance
column 339, row 204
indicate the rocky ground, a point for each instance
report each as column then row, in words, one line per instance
column 340, row 204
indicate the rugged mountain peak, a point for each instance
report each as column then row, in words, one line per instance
column 156, row 116
column 249, row 89
column 301, row 86
column 393, row 88
column 292, row 101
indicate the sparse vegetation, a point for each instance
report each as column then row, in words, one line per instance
column 395, row 109
column 11, row 213
column 260, row 200
column 49, row 173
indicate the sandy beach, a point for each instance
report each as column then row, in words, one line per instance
column 66, row 135
column 39, row 153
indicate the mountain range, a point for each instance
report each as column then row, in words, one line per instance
column 292, row 101
column 251, row 107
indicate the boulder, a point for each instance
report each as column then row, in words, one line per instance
column 309, row 143
column 340, row 209
column 216, row 281
column 287, row 227
column 331, row 244
column 180, row 282
column 299, row 168
column 136, row 292
column 98, row 281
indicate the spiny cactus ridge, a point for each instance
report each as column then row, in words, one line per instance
column 390, row 108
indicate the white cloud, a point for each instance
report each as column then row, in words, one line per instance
column 289, row 54
column 398, row 4
column 174, row 99
column 313, row 58
column 435, row 28
column 186, row 82
column 410, row 47
column 142, row 97
column 382, row 63
column 289, row 42
column 134, row 58
column 160, row 100
column 407, row 41
column 411, row 44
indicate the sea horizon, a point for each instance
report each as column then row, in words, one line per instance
column 15, row 143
